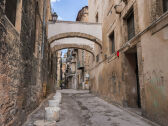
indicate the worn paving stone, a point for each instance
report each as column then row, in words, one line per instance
column 85, row 109
column 80, row 108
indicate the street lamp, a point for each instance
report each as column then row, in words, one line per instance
column 54, row 16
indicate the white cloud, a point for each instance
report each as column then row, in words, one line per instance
column 53, row 1
column 60, row 18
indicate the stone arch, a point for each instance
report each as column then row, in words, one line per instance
column 75, row 35
column 65, row 46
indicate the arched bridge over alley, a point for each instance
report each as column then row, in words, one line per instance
column 75, row 46
column 63, row 34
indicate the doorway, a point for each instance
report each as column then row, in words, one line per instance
column 138, row 84
column 132, row 81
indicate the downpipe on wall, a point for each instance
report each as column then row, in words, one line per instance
column 43, row 29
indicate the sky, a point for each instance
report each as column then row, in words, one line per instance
column 67, row 10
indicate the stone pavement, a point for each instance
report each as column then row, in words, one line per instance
column 80, row 108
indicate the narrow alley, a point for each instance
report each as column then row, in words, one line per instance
column 81, row 108
column 83, row 62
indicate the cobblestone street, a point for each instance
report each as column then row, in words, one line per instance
column 80, row 108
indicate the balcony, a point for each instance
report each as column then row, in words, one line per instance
column 80, row 65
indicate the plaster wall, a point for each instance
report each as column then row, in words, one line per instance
column 64, row 27
column 155, row 83
column 77, row 41
column 110, row 78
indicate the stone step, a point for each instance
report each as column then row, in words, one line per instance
column 58, row 94
column 52, row 113
column 58, row 97
column 44, row 123
column 54, row 103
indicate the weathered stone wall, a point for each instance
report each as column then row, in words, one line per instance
column 108, row 74
column 108, row 82
column 53, row 75
column 155, row 72
column 114, row 77
column 22, row 73
column 10, row 72
column 83, row 15
column 59, row 53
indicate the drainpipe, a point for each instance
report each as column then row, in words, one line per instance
column 43, row 29
column 61, row 69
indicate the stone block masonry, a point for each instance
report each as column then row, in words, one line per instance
column 9, row 71
column 22, row 74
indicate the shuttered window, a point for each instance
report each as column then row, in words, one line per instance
column 130, row 25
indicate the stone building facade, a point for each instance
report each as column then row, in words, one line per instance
column 71, row 69
column 84, row 58
column 132, row 69
column 23, row 58
column 78, row 59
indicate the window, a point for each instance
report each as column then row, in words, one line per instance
column 130, row 25
column 97, row 58
column 97, row 18
column 10, row 10
column 165, row 5
column 112, row 43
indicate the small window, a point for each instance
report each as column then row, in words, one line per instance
column 97, row 58
column 165, row 5
column 10, row 10
column 130, row 25
column 112, row 43
column 97, row 18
